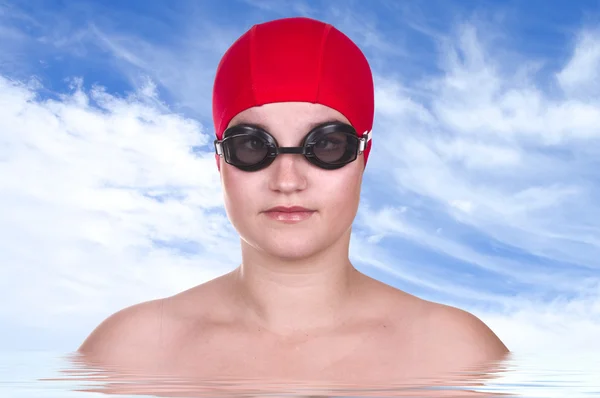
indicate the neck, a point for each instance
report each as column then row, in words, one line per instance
column 297, row 295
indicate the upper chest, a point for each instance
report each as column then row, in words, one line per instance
column 370, row 351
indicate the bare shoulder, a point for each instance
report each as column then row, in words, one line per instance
column 441, row 337
column 126, row 335
column 461, row 338
column 143, row 334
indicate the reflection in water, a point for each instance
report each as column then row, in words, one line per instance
column 117, row 381
column 45, row 375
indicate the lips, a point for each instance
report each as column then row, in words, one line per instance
column 292, row 209
column 292, row 214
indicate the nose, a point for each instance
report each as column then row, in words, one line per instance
column 288, row 173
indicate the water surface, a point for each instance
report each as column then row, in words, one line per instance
column 47, row 374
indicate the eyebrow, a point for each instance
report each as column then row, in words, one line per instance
column 310, row 126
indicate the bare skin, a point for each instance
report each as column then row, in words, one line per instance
column 296, row 308
column 389, row 336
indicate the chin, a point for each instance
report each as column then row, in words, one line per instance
column 291, row 246
column 293, row 241
column 292, row 252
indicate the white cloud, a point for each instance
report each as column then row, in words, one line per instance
column 581, row 74
column 88, row 184
column 479, row 95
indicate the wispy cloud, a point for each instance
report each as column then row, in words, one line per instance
column 498, row 152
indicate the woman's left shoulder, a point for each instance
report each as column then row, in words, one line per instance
column 460, row 335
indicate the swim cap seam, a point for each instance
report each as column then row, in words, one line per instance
column 252, row 50
column 320, row 62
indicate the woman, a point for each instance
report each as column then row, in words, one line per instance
column 293, row 109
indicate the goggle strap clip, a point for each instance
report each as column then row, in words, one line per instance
column 366, row 137
column 219, row 147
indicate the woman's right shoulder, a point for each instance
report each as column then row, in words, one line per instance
column 138, row 334
column 128, row 334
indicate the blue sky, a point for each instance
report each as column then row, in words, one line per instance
column 481, row 190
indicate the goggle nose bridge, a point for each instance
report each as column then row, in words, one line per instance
column 296, row 150
column 274, row 150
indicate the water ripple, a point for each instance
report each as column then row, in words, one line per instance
column 45, row 375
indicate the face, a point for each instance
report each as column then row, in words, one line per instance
column 332, row 196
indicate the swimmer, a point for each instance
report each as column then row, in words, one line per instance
column 293, row 109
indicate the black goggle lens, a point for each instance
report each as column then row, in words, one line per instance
column 245, row 149
column 336, row 148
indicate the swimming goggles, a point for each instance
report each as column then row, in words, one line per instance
column 330, row 146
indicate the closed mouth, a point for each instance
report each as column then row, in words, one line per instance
column 292, row 209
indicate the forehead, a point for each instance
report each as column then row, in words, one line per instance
column 303, row 115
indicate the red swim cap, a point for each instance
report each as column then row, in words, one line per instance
column 299, row 60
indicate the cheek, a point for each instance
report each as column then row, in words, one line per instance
column 342, row 194
column 240, row 193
